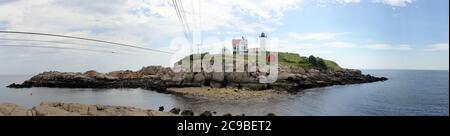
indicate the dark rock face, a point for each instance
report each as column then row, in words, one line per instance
column 206, row 113
column 160, row 78
column 271, row 114
column 228, row 114
column 161, row 108
column 14, row 85
column 175, row 111
column 187, row 113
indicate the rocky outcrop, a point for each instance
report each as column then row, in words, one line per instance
column 187, row 113
column 76, row 109
column 175, row 111
column 291, row 79
column 271, row 114
column 206, row 113
column 10, row 109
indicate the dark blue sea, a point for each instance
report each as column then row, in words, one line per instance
column 407, row 92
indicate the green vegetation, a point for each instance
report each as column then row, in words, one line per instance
column 292, row 60
column 295, row 60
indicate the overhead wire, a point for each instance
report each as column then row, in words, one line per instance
column 182, row 18
column 186, row 20
column 48, row 41
column 56, row 47
column 86, row 39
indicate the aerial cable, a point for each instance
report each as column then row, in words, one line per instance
column 86, row 39
column 46, row 41
column 185, row 19
column 177, row 10
column 55, row 47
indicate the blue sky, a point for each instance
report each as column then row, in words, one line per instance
column 360, row 34
column 418, row 25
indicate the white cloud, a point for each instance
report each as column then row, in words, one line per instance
column 326, row 3
column 106, row 20
column 338, row 1
column 438, row 47
column 124, row 19
column 340, row 45
column 395, row 3
column 348, row 1
column 149, row 23
column 402, row 47
column 321, row 36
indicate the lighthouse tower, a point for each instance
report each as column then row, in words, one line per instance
column 262, row 42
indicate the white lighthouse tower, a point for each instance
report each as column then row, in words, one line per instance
column 262, row 42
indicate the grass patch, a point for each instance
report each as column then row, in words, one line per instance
column 285, row 59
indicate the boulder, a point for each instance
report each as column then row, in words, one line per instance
column 235, row 77
column 313, row 71
column 91, row 73
column 254, row 86
column 217, row 76
column 249, row 78
column 188, row 77
column 206, row 113
column 14, row 85
column 159, row 113
column 283, row 75
column 187, row 113
column 154, row 70
column 271, row 114
column 355, row 71
column 214, row 84
column 228, row 114
column 177, row 78
column 165, row 77
column 175, row 111
column 199, row 78
column 298, row 70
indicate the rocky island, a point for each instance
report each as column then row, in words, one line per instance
column 295, row 73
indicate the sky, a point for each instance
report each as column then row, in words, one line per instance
column 358, row 34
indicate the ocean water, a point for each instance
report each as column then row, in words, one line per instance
column 407, row 92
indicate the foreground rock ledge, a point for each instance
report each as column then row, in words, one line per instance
column 76, row 109
column 225, row 94
column 291, row 79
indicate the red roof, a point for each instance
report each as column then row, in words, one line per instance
column 236, row 42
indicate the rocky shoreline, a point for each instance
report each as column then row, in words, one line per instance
column 77, row 109
column 224, row 94
column 159, row 78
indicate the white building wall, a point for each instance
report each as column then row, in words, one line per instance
column 262, row 43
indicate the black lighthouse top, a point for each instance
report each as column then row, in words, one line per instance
column 263, row 35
